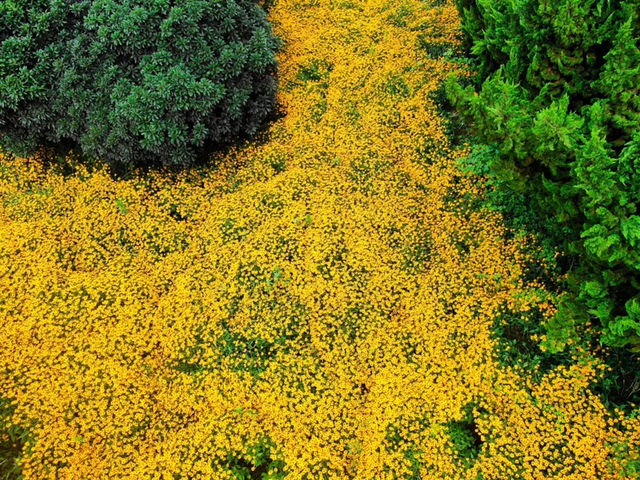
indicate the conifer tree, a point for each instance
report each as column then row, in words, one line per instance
column 557, row 94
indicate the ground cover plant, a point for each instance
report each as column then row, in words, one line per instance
column 326, row 302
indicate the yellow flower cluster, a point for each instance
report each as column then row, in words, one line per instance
column 318, row 304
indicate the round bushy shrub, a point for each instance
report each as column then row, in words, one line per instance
column 134, row 81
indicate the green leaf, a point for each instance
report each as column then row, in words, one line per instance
column 631, row 230
column 594, row 289
column 122, row 207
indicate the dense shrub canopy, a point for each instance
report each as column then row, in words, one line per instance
column 559, row 100
column 132, row 81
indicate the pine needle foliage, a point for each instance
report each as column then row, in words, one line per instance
column 557, row 97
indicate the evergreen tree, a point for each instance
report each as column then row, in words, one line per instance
column 559, row 99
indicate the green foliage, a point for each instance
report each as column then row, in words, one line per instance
column 559, row 109
column 629, row 458
column 518, row 346
column 256, row 463
column 619, row 386
column 515, row 207
column 133, row 81
column 13, row 440
column 465, row 439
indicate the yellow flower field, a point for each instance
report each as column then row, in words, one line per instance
column 319, row 303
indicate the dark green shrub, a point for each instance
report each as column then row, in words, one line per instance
column 133, row 81
column 557, row 100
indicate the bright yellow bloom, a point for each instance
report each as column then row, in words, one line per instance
column 325, row 291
